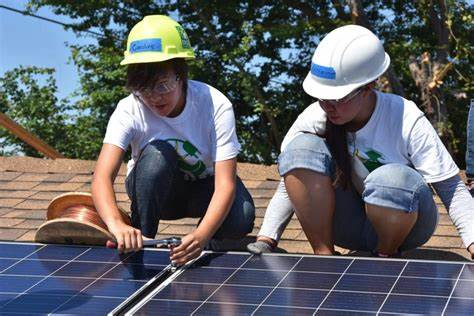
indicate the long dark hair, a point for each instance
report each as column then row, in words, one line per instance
column 336, row 139
column 144, row 75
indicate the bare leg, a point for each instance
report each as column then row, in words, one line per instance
column 312, row 196
column 392, row 226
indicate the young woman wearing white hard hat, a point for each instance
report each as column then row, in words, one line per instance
column 184, row 147
column 356, row 164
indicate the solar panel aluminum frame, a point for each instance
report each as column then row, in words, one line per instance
column 153, row 291
column 143, row 292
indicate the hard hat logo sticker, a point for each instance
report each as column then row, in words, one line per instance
column 323, row 72
column 184, row 38
column 146, row 45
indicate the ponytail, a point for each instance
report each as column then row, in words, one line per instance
column 336, row 139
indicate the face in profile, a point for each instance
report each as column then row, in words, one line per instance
column 344, row 110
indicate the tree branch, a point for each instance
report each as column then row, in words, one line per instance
column 258, row 93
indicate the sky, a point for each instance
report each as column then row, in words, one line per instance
column 29, row 41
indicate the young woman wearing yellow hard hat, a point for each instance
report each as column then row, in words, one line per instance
column 184, row 147
column 356, row 164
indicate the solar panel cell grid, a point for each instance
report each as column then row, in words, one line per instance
column 296, row 297
column 39, row 279
column 414, row 304
column 459, row 306
column 279, row 285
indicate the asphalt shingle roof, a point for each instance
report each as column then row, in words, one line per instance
column 27, row 185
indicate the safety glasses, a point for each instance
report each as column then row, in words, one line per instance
column 162, row 86
column 346, row 99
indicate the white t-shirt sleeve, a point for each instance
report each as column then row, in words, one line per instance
column 120, row 129
column 311, row 120
column 428, row 154
column 227, row 144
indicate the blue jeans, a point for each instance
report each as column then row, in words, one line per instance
column 158, row 190
column 470, row 143
column 394, row 186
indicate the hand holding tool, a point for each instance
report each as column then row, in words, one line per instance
column 172, row 241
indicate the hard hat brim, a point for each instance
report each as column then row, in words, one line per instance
column 153, row 58
column 320, row 90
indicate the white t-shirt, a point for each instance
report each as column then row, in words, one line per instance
column 397, row 132
column 201, row 135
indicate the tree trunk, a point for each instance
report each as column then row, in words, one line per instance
column 429, row 70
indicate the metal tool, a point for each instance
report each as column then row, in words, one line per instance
column 172, row 241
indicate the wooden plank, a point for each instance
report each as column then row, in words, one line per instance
column 29, row 138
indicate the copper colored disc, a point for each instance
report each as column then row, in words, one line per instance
column 73, row 219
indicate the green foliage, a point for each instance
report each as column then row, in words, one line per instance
column 27, row 95
column 257, row 53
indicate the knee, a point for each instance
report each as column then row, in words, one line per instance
column 158, row 149
column 395, row 186
column 156, row 157
column 306, row 151
column 247, row 224
column 241, row 217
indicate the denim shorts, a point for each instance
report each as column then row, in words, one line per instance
column 394, row 186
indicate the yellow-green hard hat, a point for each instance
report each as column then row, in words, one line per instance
column 157, row 38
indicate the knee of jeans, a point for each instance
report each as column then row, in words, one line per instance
column 306, row 151
column 160, row 147
column 243, row 223
column 159, row 153
column 246, row 226
column 395, row 186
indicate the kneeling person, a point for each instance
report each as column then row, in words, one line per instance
column 184, row 147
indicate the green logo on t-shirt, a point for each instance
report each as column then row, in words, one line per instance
column 189, row 157
column 371, row 159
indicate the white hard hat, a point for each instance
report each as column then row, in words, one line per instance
column 347, row 58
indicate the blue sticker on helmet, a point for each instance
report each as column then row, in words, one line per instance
column 146, row 45
column 323, row 72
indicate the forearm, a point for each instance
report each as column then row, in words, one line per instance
column 460, row 205
column 277, row 214
column 104, row 200
column 217, row 211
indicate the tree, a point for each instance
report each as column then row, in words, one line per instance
column 28, row 96
column 258, row 53
column 34, row 106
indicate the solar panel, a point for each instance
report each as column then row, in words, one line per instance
column 57, row 279
column 41, row 279
column 287, row 285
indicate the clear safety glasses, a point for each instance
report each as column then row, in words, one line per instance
column 163, row 86
column 346, row 99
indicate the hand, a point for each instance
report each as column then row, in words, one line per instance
column 128, row 238
column 471, row 250
column 191, row 247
